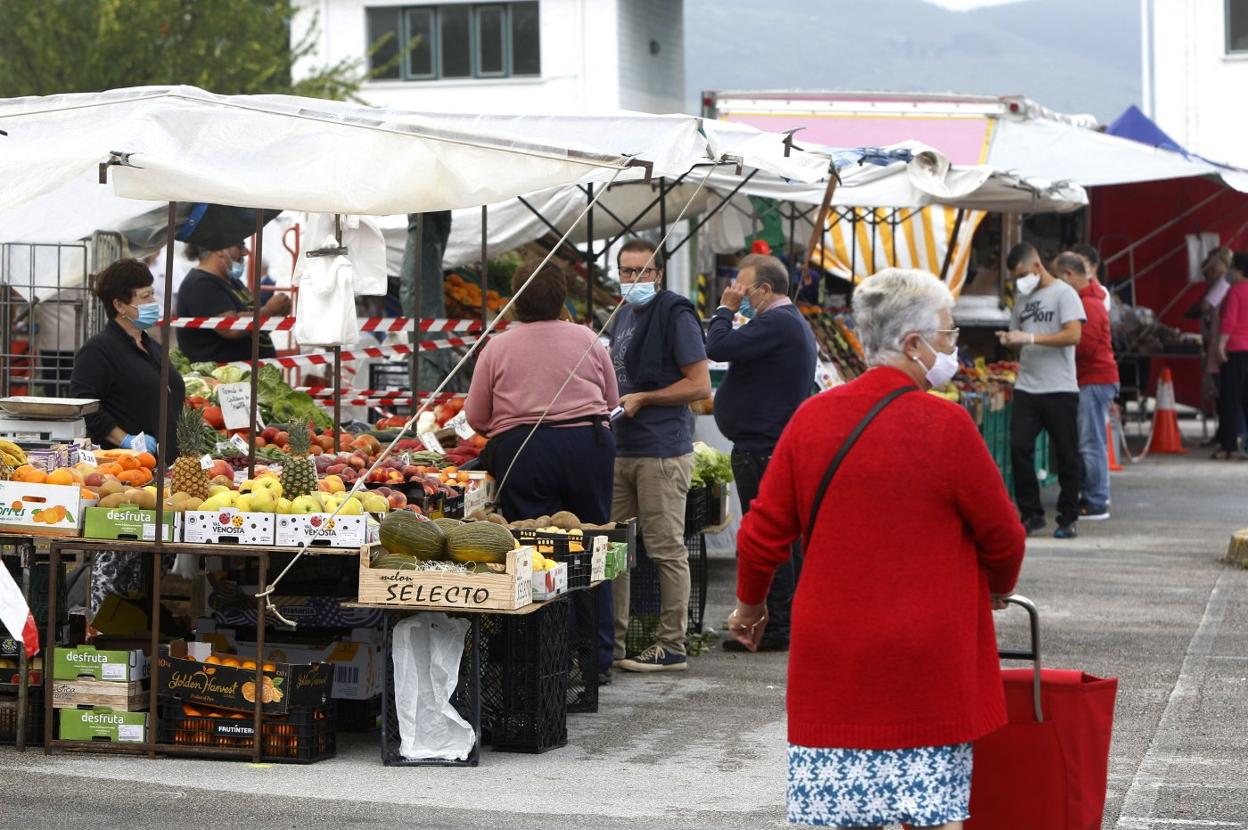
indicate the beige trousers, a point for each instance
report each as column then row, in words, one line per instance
column 653, row 490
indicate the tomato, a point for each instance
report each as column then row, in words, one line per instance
column 214, row 418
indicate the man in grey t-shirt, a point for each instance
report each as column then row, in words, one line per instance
column 1046, row 326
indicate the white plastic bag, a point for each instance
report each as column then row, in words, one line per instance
column 326, row 312
column 365, row 244
column 426, row 651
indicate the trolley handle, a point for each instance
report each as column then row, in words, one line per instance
column 1033, row 654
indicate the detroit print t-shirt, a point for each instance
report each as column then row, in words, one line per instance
column 1046, row 369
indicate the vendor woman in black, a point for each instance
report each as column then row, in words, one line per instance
column 121, row 365
column 215, row 289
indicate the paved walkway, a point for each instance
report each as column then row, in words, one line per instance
column 1141, row 597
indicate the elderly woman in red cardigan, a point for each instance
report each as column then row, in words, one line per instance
column 893, row 669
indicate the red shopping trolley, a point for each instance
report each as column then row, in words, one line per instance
column 1047, row 769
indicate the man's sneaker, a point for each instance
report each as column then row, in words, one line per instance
column 1094, row 514
column 1065, row 532
column 655, row 658
column 1033, row 523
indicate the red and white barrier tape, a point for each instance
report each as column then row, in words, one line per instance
column 327, row 358
column 377, row 394
column 369, row 324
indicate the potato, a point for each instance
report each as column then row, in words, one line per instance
column 542, row 521
column 565, row 520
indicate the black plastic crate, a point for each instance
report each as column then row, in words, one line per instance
column 644, row 600
column 583, row 665
column 524, row 681
column 466, row 700
column 359, row 715
column 557, row 546
column 34, row 716
column 697, row 503
column 304, row 736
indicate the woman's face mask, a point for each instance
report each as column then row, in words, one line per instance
column 944, row 366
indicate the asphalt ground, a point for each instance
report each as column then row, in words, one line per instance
column 1141, row 597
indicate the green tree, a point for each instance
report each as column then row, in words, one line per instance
column 229, row 47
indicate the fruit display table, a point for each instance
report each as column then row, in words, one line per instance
column 22, row 548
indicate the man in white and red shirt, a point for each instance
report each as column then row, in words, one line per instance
column 1098, row 384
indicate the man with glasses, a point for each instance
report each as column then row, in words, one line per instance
column 1046, row 326
column 660, row 362
column 771, row 372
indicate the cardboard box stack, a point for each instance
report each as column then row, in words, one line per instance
column 100, row 695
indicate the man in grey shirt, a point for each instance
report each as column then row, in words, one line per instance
column 1046, row 326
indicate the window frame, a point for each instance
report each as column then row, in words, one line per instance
column 1228, row 48
column 434, row 13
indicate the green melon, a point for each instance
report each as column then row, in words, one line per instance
column 480, row 542
column 403, row 532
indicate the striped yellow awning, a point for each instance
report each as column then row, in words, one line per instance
column 858, row 242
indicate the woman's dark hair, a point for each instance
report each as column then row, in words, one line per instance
column 119, row 281
column 1239, row 261
column 544, row 298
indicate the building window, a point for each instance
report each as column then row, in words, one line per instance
column 1236, row 26
column 462, row 40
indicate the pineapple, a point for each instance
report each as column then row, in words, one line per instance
column 6, row 468
column 188, row 477
column 299, row 471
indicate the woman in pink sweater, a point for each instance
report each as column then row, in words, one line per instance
column 569, row 462
column 1233, row 355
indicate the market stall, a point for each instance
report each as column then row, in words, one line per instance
column 357, row 498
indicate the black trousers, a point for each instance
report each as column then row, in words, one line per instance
column 562, row 468
column 1056, row 413
column 1233, row 403
column 748, row 469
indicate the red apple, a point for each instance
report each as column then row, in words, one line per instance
column 397, row 500
column 335, row 469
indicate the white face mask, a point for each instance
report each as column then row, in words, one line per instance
column 943, row 368
column 1026, row 285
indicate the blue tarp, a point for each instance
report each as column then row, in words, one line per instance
column 1137, row 126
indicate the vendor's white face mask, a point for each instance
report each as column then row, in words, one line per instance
column 1026, row 285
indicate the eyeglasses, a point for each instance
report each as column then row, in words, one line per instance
column 634, row 273
column 952, row 334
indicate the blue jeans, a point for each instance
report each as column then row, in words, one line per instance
column 748, row 469
column 1094, row 401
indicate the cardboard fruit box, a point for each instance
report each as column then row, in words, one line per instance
column 120, row 697
column 85, row 661
column 228, row 526
column 551, row 583
column 221, row 681
column 130, row 523
column 320, row 530
column 506, row 590
column 40, row 509
column 102, row 724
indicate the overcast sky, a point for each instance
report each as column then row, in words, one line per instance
column 1075, row 56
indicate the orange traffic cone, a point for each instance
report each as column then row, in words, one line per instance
column 1114, row 466
column 1166, row 439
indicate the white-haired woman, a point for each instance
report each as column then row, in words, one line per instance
column 893, row 669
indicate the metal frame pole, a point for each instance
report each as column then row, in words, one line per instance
column 485, row 267
column 953, row 243
column 417, row 310
column 257, row 250
column 663, row 219
column 590, row 256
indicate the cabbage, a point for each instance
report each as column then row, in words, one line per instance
column 228, row 374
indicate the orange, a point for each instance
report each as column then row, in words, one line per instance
column 270, row 667
column 213, row 659
column 60, row 476
column 249, row 664
column 128, row 462
column 147, row 460
column 230, row 662
column 190, row 711
column 29, row 475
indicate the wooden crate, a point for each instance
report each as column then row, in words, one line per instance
column 448, row 591
column 119, row 696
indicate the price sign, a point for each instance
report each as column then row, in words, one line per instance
column 235, row 400
column 431, row 442
column 460, row 424
column 88, row 457
column 239, row 443
column 205, row 462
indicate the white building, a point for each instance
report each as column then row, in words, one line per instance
column 1195, row 71
column 535, row 55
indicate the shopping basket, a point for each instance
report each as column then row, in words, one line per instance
column 1047, row 769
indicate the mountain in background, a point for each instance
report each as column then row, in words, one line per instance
column 1073, row 56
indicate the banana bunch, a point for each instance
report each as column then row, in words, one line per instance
column 11, row 456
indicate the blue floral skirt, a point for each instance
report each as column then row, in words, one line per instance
column 925, row 786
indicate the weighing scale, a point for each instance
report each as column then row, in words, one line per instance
column 31, row 420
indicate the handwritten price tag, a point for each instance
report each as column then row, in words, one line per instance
column 235, row 399
column 460, row 424
column 431, row 442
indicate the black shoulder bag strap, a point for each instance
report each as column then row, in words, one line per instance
column 844, row 450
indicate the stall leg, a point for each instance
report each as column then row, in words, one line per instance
column 154, row 661
column 27, row 551
column 49, row 645
column 337, row 350
column 257, row 713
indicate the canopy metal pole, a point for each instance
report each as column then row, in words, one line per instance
column 590, row 257
column 485, row 268
column 257, row 250
column 162, row 455
column 417, row 310
column 337, row 350
column 663, row 218
column 953, row 243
